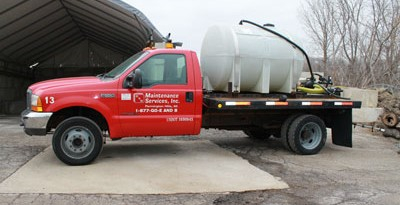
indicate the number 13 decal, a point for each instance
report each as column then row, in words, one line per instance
column 49, row 100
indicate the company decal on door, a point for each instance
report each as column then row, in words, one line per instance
column 156, row 102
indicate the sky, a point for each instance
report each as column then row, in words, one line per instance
column 187, row 21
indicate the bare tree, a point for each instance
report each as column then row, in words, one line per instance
column 391, row 41
column 358, row 39
column 379, row 43
column 319, row 20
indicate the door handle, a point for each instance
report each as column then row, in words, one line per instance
column 189, row 97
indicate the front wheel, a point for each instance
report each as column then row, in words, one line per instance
column 307, row 134
column 77, row 141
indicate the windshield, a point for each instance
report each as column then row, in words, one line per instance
column 128, row 63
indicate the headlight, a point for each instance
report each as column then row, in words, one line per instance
column 36, row 103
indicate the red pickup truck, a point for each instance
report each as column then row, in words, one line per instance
column 159, row 92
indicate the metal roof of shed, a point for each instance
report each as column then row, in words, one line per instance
column 34, row 30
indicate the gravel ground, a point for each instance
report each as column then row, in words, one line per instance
column 368, row 173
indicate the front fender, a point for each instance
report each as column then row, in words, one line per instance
column 107, row 107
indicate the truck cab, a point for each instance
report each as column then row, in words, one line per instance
column 156, row 92
column 161, row 95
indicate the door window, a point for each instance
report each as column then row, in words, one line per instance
column 164, row 69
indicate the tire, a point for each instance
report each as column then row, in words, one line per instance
column 77, row 141
column 307, row 134
column 390, row 119
column 284, row 131
column 257, row 133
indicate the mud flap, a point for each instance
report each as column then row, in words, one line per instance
column 342, row 128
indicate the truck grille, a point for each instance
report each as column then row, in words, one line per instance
column 28, row 99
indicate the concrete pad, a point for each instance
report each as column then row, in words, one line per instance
column 366, row 114
column 144, row 167
column 368, row 98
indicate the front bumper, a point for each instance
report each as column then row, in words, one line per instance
column 35, row 123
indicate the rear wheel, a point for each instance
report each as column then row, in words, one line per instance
column 285, row 130
column 77, row 141
column 307, row 134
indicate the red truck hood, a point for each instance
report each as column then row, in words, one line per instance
column 65, row 83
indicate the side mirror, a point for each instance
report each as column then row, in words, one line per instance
column 133, row 80
column 128, row 82
column 137, row 79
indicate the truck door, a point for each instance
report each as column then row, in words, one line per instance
column 164, row 105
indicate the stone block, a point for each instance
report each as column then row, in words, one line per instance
column 366, row 115
column 369, row 98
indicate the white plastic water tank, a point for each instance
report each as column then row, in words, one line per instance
column 253, row 59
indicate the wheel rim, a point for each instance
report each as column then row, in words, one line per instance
column 77, row 142
column 310, row 135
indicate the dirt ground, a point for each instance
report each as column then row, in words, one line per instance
column 368, row 173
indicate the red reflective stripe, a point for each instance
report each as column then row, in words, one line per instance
column 237, row 103
column 276, row 103
column 281, row 103
column 347, row 103
column 344, row 103
column 243, row 103
column 312, row 103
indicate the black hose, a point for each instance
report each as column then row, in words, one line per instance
column 286, row 39
column 331, row 93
